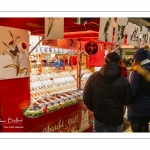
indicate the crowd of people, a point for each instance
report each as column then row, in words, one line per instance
column 110, row 91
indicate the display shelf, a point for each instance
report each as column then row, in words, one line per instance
column 54, row 89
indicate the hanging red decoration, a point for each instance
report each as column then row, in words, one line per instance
column 91, row 48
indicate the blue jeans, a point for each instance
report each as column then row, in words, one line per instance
column 101, row 127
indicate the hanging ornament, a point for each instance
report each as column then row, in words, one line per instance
column 91, row 48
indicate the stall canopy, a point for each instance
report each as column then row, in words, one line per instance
column 86, row 30
column 71, row 29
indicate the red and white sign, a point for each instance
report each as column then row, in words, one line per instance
column 133, row 34
column 76, row 123
column 106, row 29
column 120, row 31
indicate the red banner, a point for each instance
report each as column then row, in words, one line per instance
column 72, row 43
column 97, row 60
column 51, row 42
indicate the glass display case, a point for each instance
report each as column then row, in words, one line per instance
column 53, row 88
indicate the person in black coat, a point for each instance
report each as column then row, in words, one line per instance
column 139, row 79
column 105, row 93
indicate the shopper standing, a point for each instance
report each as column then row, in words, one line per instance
column 139, row 79
column 105, row 93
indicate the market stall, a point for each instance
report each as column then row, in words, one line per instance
column 38, row 91
column 41, row 83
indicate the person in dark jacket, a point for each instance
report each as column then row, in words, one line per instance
column 139, row 79
column 105, row 93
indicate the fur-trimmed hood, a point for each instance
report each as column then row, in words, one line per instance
column 142, row 71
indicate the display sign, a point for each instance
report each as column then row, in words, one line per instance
column 54, row 28
column 77, row 122
column 144, row 37
column 14, row 48
column 120, row 31
column 106, row 29
column 133, row 34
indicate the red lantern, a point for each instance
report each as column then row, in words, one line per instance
column 91, row 48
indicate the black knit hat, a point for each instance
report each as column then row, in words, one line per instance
column 112, row 57
column 140, row 55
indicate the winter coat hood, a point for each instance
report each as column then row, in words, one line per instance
column 111, row 70
column 143, row 69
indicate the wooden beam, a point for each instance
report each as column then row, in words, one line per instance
column 34, row 25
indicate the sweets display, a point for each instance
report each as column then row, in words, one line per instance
column 54, row 89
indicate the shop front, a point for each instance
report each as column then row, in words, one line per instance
column 45, row 64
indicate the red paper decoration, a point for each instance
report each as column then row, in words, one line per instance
column 45, row 110
column 91, row 48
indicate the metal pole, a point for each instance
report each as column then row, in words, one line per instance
column 36, row 45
